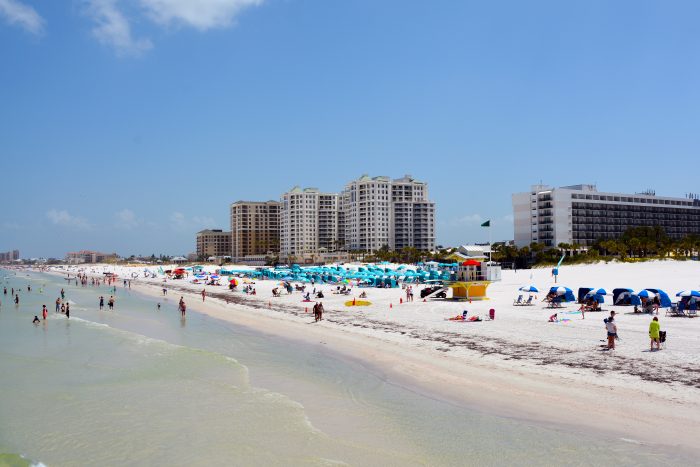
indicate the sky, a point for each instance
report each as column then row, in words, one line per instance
column 129, row 125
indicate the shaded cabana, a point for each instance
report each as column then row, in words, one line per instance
column 622, row 297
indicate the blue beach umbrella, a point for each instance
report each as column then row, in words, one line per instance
column 688, row 293
column 597, row 292
column 560, row 290
column 646, row 294
column 528, row 288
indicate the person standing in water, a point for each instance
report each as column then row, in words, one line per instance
column 183, row 307
column 44, row 312
column 67, row 310
column 102, row 302
column 63, row 294
column 36, row 320
column 58, row 304
column 16, row 299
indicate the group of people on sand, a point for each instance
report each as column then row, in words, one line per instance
column 318, row 311
column 409, row 293
column 656, row 336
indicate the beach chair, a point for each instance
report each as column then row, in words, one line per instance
column 693, row 310
column 519, row 301
column 676, row 309
column 528, row 302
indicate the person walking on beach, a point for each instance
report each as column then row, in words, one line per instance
column 165, row 291
column 316, row 314
column 655, row 334
column 611, row 327
column 204, row 294
column 102, row 302
column 183, row 307
column 44, row 313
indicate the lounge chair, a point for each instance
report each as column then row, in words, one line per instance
column 519, row 301
column 693, row 310
column 528, row 302
column 677, row 309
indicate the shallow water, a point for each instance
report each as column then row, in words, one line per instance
column 139, row 386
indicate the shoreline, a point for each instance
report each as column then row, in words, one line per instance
column 483, row 387
column 487, row 384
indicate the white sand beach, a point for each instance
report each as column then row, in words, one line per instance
column 519, row 365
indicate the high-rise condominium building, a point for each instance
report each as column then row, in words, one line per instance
column 214, row 242
column 378, row 211
column 308, row 222
column 581, row 214
column 255, row 228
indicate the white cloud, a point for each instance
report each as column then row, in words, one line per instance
column 126, row 219
column 16, row 12
column 199, row 14
column 65, row 219
column 112, row 28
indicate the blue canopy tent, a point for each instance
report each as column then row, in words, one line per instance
column 582, row 292
column 622, row 296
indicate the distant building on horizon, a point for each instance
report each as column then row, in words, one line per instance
column 9, row 256
column 580, row 214
column 213, row 242
column 88, row 256
column 255, row 230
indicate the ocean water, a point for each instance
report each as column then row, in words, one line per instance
column 138, row 386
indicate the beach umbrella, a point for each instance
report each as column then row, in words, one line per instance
column 528, row 288
column 688, row 293
column 646, row 294
column 597, row 292
column 560, row 290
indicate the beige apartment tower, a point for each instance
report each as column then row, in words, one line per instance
column 213, row 242
column 255, row 229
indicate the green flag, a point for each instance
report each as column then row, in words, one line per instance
column 487, row 223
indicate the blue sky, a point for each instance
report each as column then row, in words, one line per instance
column 128, row 125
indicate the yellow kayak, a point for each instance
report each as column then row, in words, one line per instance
column 358, row 303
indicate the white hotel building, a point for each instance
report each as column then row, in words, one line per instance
column 379, row 211
column 369, row 214
column 308, row 222
column 581, row 214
